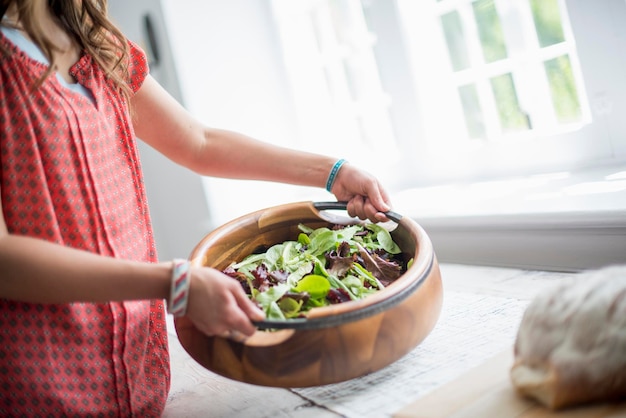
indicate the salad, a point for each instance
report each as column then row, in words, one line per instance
column 323, row 266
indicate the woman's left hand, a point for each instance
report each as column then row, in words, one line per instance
column 366, row 197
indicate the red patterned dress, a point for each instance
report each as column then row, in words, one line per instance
column 70, row 174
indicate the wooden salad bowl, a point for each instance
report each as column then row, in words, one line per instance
column 334, row 343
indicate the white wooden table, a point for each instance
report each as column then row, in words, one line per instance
column 480, row 315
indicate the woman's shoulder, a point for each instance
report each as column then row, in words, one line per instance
column 17, row 66
column 138, row 68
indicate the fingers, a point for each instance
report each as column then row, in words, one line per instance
column 244, row 312
column 239, row 325
column 234, row 335
column 378, row 198
column 376, row 204
column 219, row 306
column 240, row 311
column 366, row 197
column 252, row 311
column 383, row 205
column 363, row 208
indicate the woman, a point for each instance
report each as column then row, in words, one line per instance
column 82, row 313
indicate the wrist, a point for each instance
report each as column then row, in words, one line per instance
column 179, row 288
column 332, row 176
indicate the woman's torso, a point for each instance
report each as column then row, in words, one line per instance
column 70, row 174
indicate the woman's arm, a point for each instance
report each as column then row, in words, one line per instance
column 37, row 271
column 163, row 123
column 34, row 270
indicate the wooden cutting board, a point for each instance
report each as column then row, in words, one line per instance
column 486, row 392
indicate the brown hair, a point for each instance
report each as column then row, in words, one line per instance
column 87, row 22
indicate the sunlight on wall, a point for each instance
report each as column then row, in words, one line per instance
column 598, row 189
column 230, row 78
column 233, row 76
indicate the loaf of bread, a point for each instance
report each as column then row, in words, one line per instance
column 570, row 348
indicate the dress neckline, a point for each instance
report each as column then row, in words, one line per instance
column 23, row 48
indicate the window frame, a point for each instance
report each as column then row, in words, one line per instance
column 448, row 156
column 579, row 233
column 421, row 146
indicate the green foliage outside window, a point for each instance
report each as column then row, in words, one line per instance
column 490, row 30
column 472, row 111
column 512, row 118
column 547, row 22
column 563, row 89
column 455, row 39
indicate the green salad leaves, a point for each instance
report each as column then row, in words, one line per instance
column 323, row 266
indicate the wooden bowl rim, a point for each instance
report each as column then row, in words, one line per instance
column 332, row 316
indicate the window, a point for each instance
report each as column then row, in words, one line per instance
column 455, row 95
column 437, row 90
column 512, row 66
column 329, row 54
column 498, row 124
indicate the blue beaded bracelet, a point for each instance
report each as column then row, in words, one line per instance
column 333, row 174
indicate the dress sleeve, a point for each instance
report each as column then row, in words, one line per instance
column 137, row 66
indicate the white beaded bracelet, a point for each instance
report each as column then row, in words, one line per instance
column 333, row 174
column 179, row 293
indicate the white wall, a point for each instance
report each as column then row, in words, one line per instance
column 222, row 60
column 232, row 76
column 229, row 66
column 178, row 207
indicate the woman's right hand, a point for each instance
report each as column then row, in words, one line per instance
column 218, row 305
